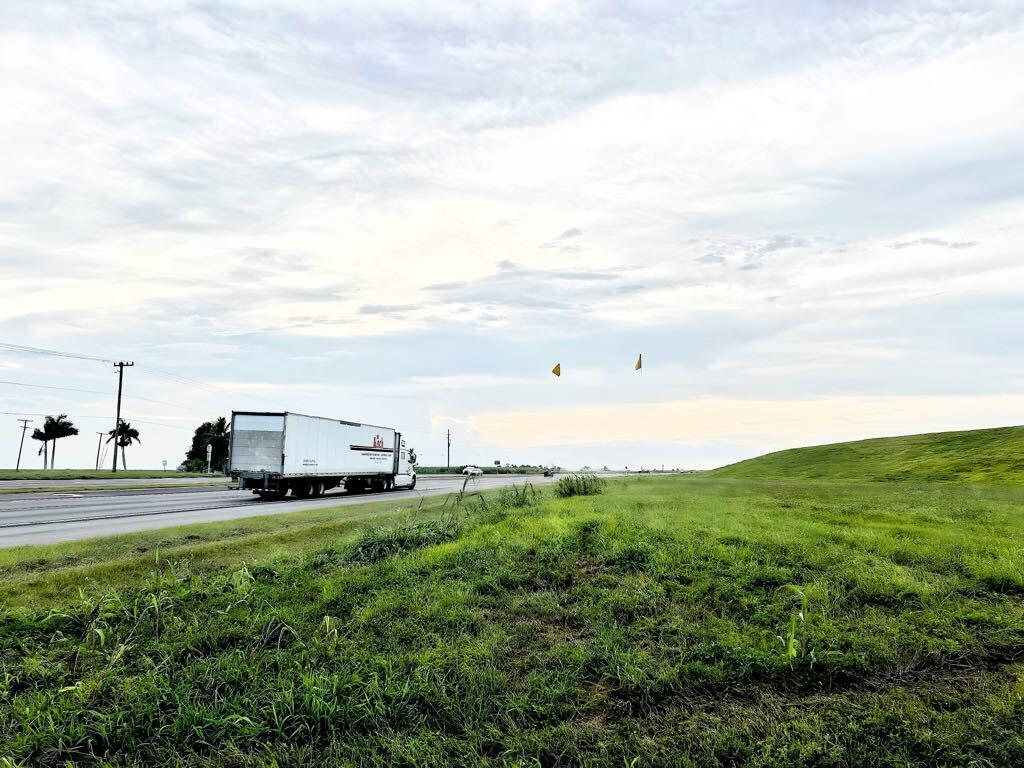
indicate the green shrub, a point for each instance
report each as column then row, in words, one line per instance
column 582, row 484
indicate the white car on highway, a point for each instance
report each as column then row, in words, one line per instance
column 472, row 471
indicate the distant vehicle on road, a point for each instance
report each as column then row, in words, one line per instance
column 280, row 454
column 472, row 471
column 549, row 472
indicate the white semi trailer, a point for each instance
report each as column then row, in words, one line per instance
column 280, row 454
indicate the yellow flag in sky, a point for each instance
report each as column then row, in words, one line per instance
column 639, row 362
column 557, row 370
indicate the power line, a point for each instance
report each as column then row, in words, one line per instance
column 101, row 392
column 42, row 351
column 147, row 368
column 185, row 379
column 101, row 418
column 211, row 387
column 26, row 413
column 47, row 386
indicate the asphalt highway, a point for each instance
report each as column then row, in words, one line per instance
column 170, row 482
column 45, row 518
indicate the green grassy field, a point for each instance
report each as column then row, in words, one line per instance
column 975, row 456
column 89, row 474
column 668, row 621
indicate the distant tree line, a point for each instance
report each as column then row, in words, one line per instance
column 216, row 433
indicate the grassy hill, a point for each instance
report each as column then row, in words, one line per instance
column 974, row 456
column 667, row 621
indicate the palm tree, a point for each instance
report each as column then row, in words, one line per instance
column 125, row 434
column 58, row 428
column 41, row 436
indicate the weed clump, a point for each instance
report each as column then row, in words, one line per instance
column 582, row 484
column 388, row 541
column 519, row 497
column 633, row 557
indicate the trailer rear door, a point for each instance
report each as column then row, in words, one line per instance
column 257, row 442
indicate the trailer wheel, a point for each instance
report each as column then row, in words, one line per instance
column 303, row 490
column 318, row 489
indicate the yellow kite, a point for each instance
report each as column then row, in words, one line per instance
column 557, row 370
column 639, row 362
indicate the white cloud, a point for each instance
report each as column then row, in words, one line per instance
column 759, row 191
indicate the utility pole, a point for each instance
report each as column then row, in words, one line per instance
column 117, row 424
column 99, row 444
column 24, row 426
column 449, row 449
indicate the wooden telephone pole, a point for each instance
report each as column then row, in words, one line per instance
column 24, row 426
column 99, row 445
column 117, row 424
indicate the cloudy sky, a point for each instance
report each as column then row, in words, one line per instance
column 809, row 217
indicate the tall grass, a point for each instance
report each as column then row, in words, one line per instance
column 389, row 541
column 582, row 484
column 519, row 496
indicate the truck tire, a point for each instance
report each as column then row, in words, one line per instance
column 318, row 489
column 413, row 484
column 302, row 490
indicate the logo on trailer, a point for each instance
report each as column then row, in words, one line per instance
column 376, row 445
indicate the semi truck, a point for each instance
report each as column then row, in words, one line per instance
column 276, row 455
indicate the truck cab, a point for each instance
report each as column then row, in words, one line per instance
column 405, row 476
